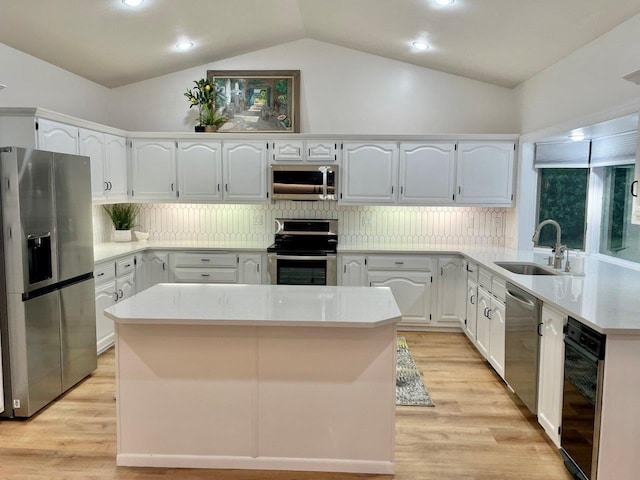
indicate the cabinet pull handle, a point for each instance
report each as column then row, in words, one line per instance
column 164, row 266
column 172, row 187
column 117, row 296
column 391, row 189
column 489, row 313
column 258, row 268
column 120, row 293
column 399, row 263
column 205, row 259
column 127, row 265
column 106, row 185
column 100, row 274
column 226, row 187
column 110, row 186
column 539, row 331
column 633, row 184
column 205, row 275
column 471, row 300
column 485, row 312
column 442, row 271
column 218, row 187
column 459, row 190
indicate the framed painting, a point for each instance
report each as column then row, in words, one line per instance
column 258, row 100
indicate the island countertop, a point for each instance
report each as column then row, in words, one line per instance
column 259, row 305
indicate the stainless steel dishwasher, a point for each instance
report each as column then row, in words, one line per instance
column 522, row 343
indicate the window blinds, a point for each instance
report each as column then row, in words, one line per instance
column 562, row 155
column 614, row 150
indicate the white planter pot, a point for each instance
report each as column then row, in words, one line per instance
column 122, row 235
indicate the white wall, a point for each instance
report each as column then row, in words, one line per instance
column 32, row 82
column 343, row 91
column 586, row 85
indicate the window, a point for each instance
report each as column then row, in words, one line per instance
column 618, row 236
column 562, row 196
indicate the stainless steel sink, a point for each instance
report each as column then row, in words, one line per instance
column 523, row 268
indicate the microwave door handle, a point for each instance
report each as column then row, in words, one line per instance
column 305, row 257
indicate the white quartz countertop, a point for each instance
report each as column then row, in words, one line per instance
column 111, row 250
column 606, row 297
column 259, row 305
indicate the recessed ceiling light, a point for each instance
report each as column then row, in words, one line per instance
column 2, row 86
column 419, row 45
column 444, row 3
column 132, row 3
column 184, row 45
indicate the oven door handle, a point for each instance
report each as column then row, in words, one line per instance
column 305, row 257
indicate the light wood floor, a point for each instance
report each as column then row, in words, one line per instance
column 478, row 430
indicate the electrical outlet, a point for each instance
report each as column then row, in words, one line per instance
column 470, row 221
column 366, row 220
column 258, row 219
column 497, row 224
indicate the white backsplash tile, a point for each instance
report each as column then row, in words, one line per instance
column 358, row 225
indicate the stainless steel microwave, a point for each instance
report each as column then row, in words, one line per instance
column 304, row 182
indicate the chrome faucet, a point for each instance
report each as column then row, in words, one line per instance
column 559, row 249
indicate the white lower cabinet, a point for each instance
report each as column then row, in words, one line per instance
column 204, row 267
column 151, row 268
column 489, row 317
column 551, row 378
column 410, row 279
column 471, row 318
column 250, row 268
column 115, row 281
column 352, row 271
column 450, row 292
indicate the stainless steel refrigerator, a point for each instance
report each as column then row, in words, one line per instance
column 47, row 309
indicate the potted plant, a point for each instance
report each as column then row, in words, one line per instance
column 123, row 216
column 207, row 98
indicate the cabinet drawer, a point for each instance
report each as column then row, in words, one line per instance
column 499, row 288
column 206, row 275
column 125, row 266
column 399, row 262
column 472, row 271
column 205, row 259
column 484, row 279
column 104, row 272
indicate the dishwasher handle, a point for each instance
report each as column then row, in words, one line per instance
column 525, row 302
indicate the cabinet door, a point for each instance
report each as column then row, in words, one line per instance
column 126, row 286
column 105, row 297
column 154, row 269
column 450, row 291
column 370, row 173
column 551, row 372
column 200, row 171
column 485, row 173
column 353, row 271
column 496, row 334
column 92, row 145
column 483, row 323
column 57, row 137
column 411, row 290
column 245, row 172
column 287, row 151
column 115, row 158
column 322, row 151
column 153, row 168
column 427, row 173
column 472, row 310
column 250, row 269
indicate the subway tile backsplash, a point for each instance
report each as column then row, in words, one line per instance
column 358, row 225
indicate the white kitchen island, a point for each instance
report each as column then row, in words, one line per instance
column 257, row 377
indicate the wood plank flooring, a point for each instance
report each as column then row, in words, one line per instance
column 477, row 431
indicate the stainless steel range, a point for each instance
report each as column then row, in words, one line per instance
column 304, row 252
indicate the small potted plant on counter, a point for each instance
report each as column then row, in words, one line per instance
column 123, row 216
column 207, row 99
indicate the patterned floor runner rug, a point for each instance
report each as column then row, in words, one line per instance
column 410, row 389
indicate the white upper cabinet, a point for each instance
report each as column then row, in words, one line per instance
column 322, row 151
column 370, row 173
column 245, row 172
column 57, row 137
column 153, row 170
column 427, row 173
column 287, row 151
column 200, row 171
column 108, row 155
column 485, row 173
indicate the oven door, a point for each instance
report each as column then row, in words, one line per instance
column 302, row 269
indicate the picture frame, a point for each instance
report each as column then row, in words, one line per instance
column 258, row 101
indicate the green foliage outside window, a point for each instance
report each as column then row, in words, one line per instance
column 563, row 198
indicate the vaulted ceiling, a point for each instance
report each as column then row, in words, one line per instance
column 503, row 42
